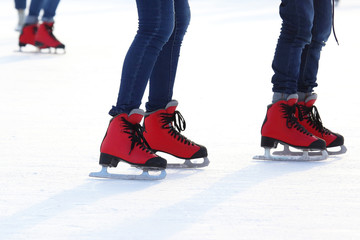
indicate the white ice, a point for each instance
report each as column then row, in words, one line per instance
column 53, row 115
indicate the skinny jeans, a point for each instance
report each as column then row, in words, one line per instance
column 306, row 26
column 20, row 4
column 153, row 55
column 49, row 7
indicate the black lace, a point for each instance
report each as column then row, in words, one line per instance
column 50, row 31
column 312, row 116
column 333, row 21
column 174, row 129
column 136, row 136
column 291, row 121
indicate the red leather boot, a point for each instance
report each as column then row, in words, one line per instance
column 312, row 122
column 45, row 38
column 124, row 142
column 27, row 35
column 281, row 126
column 162, row 132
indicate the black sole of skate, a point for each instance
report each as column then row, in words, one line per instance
column 267, row 142
column 107, row 160
column 187, row 162
column 42, row 45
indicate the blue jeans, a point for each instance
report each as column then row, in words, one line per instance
column 153, row 55
column 20, row 4
column 49, row 7
column 306, row 26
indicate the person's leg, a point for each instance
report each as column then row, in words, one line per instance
column 30, row 28
column 163, row 123
column 34, row 11
column 124, row 139
column 310, row 117
column 156, row 24
column 49, row 7
column 20, row 4
column 163, row 75
column 297, row 22
column 44, row 37
column 311, row 54
column 280, row 124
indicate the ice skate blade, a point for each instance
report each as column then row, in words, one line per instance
column 302, row 157
column 188, row 164
column 36, row 50
column 143, row 176
column 287, row 152
column 342, row 150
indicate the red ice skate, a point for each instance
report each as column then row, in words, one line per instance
column 162, row 132
column 281, row 126
column 312, row 122
column 45, row 38
column 124, row 142
column 27, row 35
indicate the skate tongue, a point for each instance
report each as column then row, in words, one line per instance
column 171, row 106
column 310, row 100
column 292, row 99
column 135, row 116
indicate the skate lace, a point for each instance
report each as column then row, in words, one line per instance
column 312, row 116
column 136, row 136
column 174, row 129
column 50, row 31
column 291, row 121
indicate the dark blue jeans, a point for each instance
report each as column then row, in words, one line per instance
column 306, row 26
column 20, row 4
column 153, row 55
column 49, row 7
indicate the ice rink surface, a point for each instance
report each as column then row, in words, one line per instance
column 53, row 114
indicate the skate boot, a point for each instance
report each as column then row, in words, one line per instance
column 45, row 38
column 162, row 132
column 124, row 142
column 27, row 35
column 312, row 122
column 281, row 126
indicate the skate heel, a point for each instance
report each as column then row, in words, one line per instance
column 268, row 142
column 108, row 160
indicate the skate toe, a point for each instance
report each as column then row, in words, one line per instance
column 61, row 46
column 339, row 141
column 202, row 152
